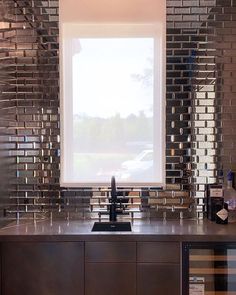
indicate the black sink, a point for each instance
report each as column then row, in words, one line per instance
column 111, row 226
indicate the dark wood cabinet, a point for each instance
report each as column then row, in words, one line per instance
column 158, row 268
column 90, row 268
column 110, row 268
column 37, row 268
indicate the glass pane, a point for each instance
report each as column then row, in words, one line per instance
column 212, row 271
column 113, row 96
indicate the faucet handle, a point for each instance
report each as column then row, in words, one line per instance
column 113, row 189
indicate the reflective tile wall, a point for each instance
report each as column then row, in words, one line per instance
column 200, row 113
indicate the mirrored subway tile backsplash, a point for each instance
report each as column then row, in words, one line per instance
column 94, row 203
column 200, row 113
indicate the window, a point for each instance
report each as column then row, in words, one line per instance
column 112, row 101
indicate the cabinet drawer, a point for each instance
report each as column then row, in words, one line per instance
column 163, row 252
column 110, row 252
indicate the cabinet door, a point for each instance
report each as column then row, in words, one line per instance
column 158, row 279
column 158, row 269
column 37, row 268
column 110, row 268
column 110, row 279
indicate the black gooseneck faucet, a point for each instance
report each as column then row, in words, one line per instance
column 113, row 212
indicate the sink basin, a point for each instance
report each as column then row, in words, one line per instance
column 111, row 226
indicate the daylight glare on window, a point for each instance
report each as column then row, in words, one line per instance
column 112, row 92
column 113, row 109
column 112, row 105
